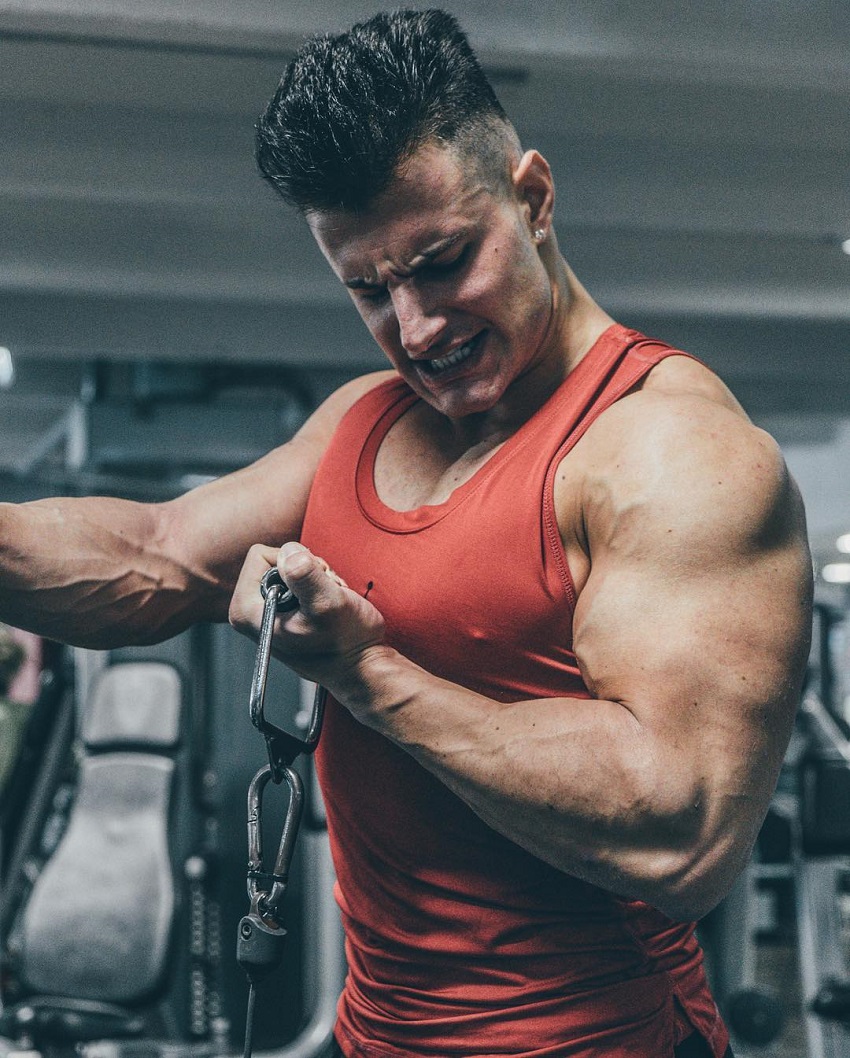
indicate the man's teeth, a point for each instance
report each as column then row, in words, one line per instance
column 455, row 357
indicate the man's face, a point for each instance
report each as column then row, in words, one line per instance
column 448, row 278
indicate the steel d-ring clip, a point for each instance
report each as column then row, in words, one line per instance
column 272, row 585
column 278, row 599
column 261, row 936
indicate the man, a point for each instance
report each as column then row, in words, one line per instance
column 557, row 586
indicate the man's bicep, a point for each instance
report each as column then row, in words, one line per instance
column 212, row 527
column 695, row 614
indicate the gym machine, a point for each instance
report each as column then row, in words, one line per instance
column 803, row 852
column 822, row 874
column 119, row 919
column 124, row 862
column 754, row 1012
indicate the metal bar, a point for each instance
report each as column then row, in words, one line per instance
column 819, row 945
column 323, row 952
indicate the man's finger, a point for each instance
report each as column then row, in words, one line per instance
column 303, row 571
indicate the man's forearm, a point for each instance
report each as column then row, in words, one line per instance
column 646, row 795
column 576, row 782
column 89, row 572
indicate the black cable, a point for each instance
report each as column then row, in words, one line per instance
column 249, row 1021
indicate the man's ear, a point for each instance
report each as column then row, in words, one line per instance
column 535, row 190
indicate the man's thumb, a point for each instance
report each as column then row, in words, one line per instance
column 295, row 562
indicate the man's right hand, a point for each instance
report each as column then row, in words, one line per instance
column 333, row 626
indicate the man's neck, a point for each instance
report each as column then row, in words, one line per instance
column 575, row 325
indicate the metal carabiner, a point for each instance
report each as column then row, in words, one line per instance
column 282, row 747
column 265, row 901
column 261, row 936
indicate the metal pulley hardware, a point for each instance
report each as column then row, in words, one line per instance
column 282, row 747
column 260, row 939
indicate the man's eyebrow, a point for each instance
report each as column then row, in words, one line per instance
column 423, row 258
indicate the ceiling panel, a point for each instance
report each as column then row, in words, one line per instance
column 703, row 170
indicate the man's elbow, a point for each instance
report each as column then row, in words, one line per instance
column 689, row 904
column 690, row 882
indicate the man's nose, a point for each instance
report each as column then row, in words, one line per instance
column 419, row 324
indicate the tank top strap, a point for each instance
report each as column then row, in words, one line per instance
column 620, row 359
column 632, row 360
column 615, row 363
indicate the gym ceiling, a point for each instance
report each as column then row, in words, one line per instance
column 701, row 151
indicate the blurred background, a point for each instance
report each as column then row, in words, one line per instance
column 164, row 319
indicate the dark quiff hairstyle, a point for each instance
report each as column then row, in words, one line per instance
column 352, row 108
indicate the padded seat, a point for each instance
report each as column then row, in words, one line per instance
column 97, row 923
column 96, row 931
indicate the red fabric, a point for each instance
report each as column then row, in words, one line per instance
column 458, row 941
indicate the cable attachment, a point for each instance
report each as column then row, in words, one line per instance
column 259, row 946
column 260, row 940
column 282, row 747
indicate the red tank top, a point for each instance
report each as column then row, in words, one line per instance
column 458, row 941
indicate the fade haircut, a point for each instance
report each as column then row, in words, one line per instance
column 351, row 109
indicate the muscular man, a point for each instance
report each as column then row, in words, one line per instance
column 569, row 604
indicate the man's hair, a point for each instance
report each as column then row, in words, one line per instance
column 352, row 108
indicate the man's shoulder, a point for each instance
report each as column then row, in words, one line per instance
column 678, row 451
column 680, row 403
column 350, row 392
column 322, row 424
column 684, row 377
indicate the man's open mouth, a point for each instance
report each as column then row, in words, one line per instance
column 452, row 359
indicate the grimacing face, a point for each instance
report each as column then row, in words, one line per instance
column 448, row 277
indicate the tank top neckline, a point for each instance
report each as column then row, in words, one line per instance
column 593, row 366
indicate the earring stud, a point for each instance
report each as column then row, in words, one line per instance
column 539, row 234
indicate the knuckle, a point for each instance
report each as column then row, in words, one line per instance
column 238, row 616
column 322, row 606
column 234, row 616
